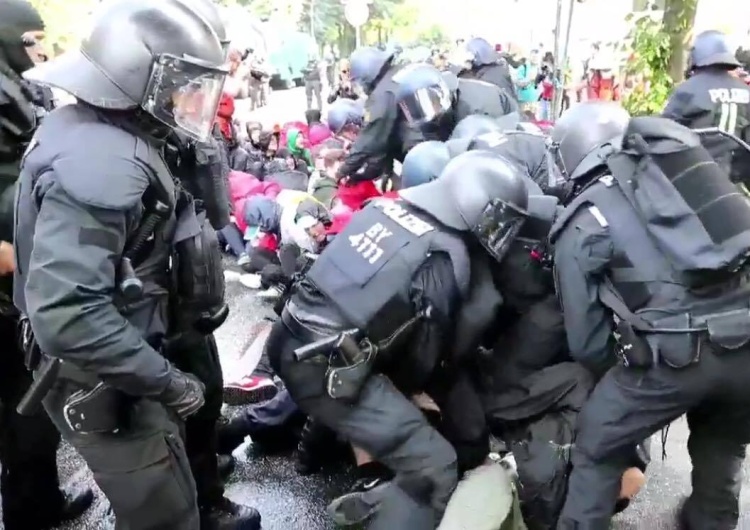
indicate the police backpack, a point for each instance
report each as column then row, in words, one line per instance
column 694, row 214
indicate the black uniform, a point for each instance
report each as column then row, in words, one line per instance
column 476, row 96
column 116, row 264
column 714, row 98
column 198, row 162
column 527, row 150
column 497, row 74
column 389, row 264
column 379, row 142
column 29, row 486
column 614, row 257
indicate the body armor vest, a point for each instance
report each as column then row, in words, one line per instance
column 643, row 289
column 367, row 271
column 478, row 97
column 153, row 260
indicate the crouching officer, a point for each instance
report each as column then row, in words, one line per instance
column 29, row 486
column 377, row 145
column 713, row 97
column 472, row 96
column 432, row 102
column 672, row 283
column 509, row 138
column 398, row 274
column 104, row 246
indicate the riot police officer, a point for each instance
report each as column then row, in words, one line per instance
column 432, row 102
column 389, row 251
column 712, row 97
column 512, row 141
column 345, row 119
column 479, row 60
column 681, row 317
column 199, row 166
column 472, row 96
column 108, row 243
column 378, row 145
column 29, row 487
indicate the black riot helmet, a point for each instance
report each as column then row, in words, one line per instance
column 583, row 137
column 480, row 193
column 19, row 20
column 712, row 48
column 211, row 14
column 153, row 56
column 422, row 94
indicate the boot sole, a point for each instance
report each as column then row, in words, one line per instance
column 356, row 508
column 237, row 396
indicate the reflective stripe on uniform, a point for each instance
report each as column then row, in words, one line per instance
column 598, row 216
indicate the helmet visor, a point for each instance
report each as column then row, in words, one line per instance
column 425, row 104
column 184, row 93
column 498, row 226
column 556, row 177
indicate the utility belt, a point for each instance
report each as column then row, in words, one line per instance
column 96, row 408
column 350, row 356
column 676, row 340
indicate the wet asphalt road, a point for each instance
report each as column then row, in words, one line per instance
column 290, row 502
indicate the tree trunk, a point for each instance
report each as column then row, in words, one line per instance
column 679, row 17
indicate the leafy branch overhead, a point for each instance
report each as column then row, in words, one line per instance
column 659, row 45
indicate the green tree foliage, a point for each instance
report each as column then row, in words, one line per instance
column 659, row 46
column 434, row 36
column 66, row 22
column 649, row 59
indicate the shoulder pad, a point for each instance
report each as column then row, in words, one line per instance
column 98, row 168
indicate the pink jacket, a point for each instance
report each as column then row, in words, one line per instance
column 241, row 187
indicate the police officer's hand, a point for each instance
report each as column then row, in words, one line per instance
column 7, row 263
column 184, row 394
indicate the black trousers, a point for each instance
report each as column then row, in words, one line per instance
column 383, row 422
column 201, row 358
column 28, row 446
column 629, row 405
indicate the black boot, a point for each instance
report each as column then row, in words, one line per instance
column 74, row 504
column 227, row 515
column 313, row 450
column 225, row 465
column 230, row 434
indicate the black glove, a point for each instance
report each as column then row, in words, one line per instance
column 184, row 394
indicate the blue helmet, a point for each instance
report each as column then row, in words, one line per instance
column 423, row 163
column 343, row 112
column 365, row 64
column 711, row 48
column 482, row 52
column 422, row 93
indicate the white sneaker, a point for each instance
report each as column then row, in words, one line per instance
column 244, row 259
column 232, row 276
column 251, row 281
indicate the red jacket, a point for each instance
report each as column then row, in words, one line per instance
column 224, row 115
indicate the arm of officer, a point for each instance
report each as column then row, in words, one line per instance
column 371, row 149
column 70, row 287
column 582, row 254
column 433, row 286
column 684, row 107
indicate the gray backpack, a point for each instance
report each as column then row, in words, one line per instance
column 694, row 214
